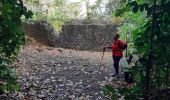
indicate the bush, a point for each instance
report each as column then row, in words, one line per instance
column 11, row 37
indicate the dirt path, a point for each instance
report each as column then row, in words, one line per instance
column 59, row 74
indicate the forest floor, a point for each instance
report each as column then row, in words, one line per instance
column 47, row 73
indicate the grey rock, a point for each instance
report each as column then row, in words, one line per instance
column 60, row 49
column 61, row 85
column 58, row 65
column 47, row 81
column 39, row 49
column 41, row 96
column 50, row 48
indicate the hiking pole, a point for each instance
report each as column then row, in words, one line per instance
column 102, row 57
column 127, row 47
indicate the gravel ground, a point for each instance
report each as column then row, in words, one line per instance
column 47, row 73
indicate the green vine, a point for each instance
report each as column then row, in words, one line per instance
column 11, row 37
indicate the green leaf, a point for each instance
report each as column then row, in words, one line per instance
column 6, row 8
column 11, row 38
column 28, row 14
column 135, row 8
column 141, row 8
column 110, row 88
column 146, row 6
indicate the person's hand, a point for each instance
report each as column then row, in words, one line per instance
column 126, row 41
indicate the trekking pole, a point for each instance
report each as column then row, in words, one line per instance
column 127, row 47
column 102, row 57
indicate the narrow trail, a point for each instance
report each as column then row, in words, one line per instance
column 47, row 73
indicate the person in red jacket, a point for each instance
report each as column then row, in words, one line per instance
column 117, row 51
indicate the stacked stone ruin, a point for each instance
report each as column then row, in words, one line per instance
column 79, row 36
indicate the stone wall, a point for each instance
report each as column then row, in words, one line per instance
column 43, row 32
column 86, row 36
column 73, row 36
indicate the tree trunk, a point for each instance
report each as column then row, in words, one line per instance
column 150, row 60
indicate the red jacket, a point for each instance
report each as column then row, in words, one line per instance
column 116, row 51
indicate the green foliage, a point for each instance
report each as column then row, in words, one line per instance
column 11, row 38
column 109, row 91
column 57, row 24
column 130, row 23
column 55, row 12
column 152, row 44
column 103, row 9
